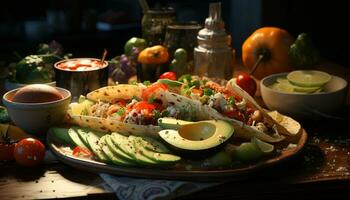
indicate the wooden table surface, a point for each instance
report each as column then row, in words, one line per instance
column 322, row 169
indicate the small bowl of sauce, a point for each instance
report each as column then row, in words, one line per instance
column 81, row 75
column 35, row 108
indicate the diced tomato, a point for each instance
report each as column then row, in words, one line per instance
column 82, row 152
column 120, row 102
column 168, row 75
column 235, row 115
column 144, row 105
column 147, row 93
column 197, row 91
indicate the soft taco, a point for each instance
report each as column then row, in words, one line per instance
column 231, row 103
column 131, row 109
column 134, row 109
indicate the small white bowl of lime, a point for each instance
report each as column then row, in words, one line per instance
column 304, row 94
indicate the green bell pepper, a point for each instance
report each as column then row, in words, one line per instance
column 303, row 53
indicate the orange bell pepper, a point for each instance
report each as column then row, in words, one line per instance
column 265, row 52
column 154, row 55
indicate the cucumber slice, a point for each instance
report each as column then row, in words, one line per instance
column 128, row 147
column 160, row 158
column 152, row 144
column 75, row 138
column 93, row 141
column 82, row 133
column 62, row 135
column 112, row 157
column 117, row 151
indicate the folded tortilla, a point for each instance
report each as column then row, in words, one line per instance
column 232, row 85
column 206, row 112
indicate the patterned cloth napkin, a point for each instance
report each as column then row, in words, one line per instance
column 127, row 188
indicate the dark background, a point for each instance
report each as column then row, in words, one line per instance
column 24, row 24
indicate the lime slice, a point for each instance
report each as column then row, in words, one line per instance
column 308, row 78
column 264, row 147
column 282, row 87
column 282, row 84
column 282, row 80
column 248, row 152
column 306, row 89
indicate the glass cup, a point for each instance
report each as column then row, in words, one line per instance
column 154, row 24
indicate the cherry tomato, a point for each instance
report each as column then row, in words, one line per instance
column 168, row 75
column 247, row 83
column 6, row 151
column 152, row 89
column 29, row 152
column 82, row 152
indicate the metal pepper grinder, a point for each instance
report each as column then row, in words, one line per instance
column 213, row 56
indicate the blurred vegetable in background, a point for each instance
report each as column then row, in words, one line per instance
column 122, row 68
column 38, row 68
column 157, row 54
column 265, row 51
column 134, row 42
column 303, row 53
column 4, row 116
column 179, row 63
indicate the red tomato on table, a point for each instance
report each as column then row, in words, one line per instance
column 29, row 152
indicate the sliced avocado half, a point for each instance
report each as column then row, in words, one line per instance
column 197, row 136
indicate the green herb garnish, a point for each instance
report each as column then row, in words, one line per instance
column 185, row 78
column 165, row 113
column 231, row 101
column 208, row 92
column 121, row 112
column 151, row 98
column 157, row 114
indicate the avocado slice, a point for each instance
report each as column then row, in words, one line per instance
column 197, row 136
column 114, row 158
column 171, row 123
column 116, row 150
column 93, row 140
column 128, row 147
